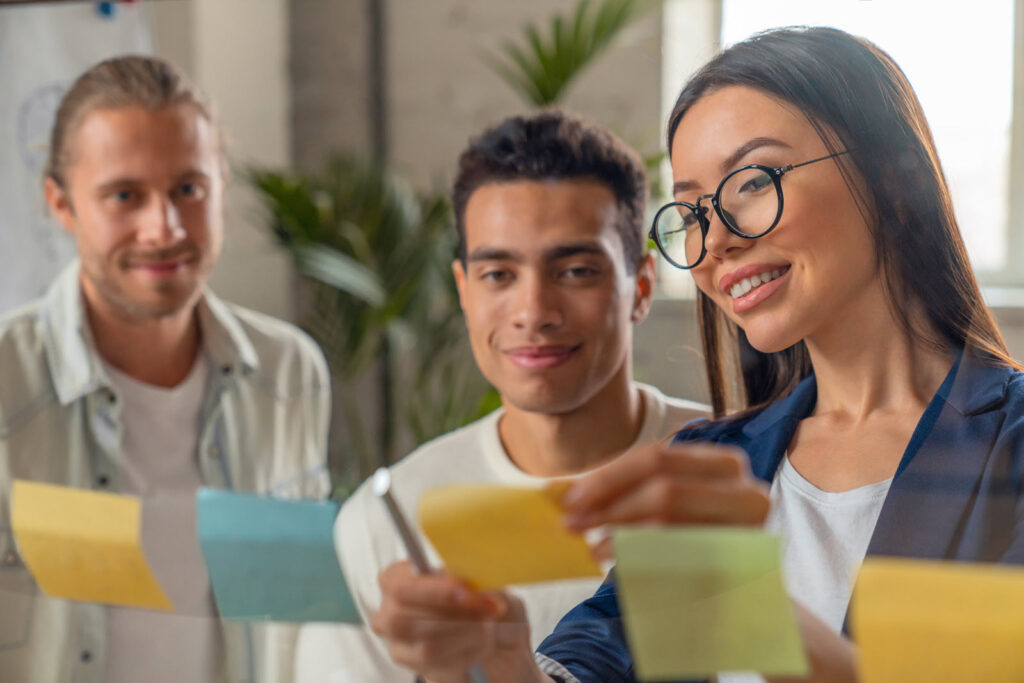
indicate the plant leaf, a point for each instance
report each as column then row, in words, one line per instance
column 542, row 64
column 331, row 267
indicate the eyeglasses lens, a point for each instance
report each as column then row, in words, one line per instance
column 679, row 235
column 749, row 201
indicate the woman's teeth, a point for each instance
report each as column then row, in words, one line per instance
column 753, row 282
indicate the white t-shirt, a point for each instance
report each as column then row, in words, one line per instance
column 825, row 536
column 367, row 542
column 159, row 444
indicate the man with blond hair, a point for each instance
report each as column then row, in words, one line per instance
column 130, row 376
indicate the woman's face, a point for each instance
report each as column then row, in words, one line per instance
column 819, row 263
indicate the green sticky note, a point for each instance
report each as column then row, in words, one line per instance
column 697, row 601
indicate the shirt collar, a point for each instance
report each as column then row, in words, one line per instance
column 796, row 407
column 71, row 356
column 223, row 337
column 70, row 351
column 979, row 385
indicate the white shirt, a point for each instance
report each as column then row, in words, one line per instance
column 263, row 430
column 159, row 440
column 367, row 542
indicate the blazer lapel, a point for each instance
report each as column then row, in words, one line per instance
column 767, row 436
column 937, row 480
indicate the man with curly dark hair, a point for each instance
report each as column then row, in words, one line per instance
column 552, row 275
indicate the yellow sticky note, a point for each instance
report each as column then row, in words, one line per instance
column 496, row 536
column 916, row 620
column 697, row 601
column 84, row 545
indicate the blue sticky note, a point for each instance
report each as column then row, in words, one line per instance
column 272, row 560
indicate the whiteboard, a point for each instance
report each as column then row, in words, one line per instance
column 42, row 50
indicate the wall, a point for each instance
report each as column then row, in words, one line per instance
column 1011, row 323
column 329, row 68
column 236, row 51
column 439, row 89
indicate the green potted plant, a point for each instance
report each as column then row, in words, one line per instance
column 373, row 258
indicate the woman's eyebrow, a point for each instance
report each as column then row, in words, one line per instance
column 733, row 159
column 748, row 147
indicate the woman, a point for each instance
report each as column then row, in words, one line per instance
column 879, row 401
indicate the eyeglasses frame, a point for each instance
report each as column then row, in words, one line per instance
column 700, row 212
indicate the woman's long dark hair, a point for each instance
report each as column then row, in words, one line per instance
column 857, row 99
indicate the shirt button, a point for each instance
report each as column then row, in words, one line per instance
column 10, row 559
column 86, row 656
column 225, row 370
column 103, row 480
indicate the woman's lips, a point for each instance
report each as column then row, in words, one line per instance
column 755, row 296
column 752, row 272
column 540, row 357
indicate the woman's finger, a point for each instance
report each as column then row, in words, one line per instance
column 698, row 461
column 603, row 551
column 670, row 500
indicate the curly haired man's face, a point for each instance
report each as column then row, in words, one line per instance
column 548, row 297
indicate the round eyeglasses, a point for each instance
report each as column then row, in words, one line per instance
column 748, row 201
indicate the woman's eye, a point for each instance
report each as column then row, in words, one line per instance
column 757, row 183
column 689, row 221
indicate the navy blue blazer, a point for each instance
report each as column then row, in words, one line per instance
column 958, row 494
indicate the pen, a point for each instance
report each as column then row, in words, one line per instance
column 382, row 489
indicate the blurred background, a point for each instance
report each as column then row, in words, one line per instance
column 345, row 118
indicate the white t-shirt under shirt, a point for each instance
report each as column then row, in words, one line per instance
column 825, row 536
column 159, row 445
column 367, row 542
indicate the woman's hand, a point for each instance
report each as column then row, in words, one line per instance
column 439, row 627
column 695, row 483
column 832, row 657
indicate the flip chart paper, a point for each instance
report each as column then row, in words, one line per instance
column 496, row 536
column 272, row 560
column 84, row 545
column 916, row 620
column 702, row 600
